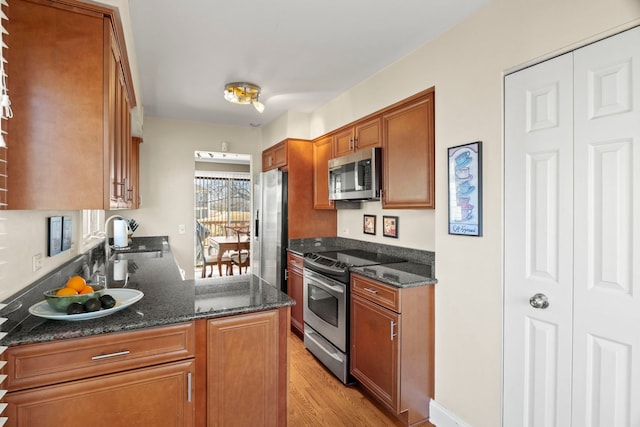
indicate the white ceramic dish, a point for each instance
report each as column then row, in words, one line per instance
column 124, row 298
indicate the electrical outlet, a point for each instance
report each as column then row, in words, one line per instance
column 37, row 262
column 182, row 229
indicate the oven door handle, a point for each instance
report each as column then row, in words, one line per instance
column 327, row 287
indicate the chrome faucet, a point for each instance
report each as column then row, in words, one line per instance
column 106, row 233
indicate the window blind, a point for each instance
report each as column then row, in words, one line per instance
column 5, row 105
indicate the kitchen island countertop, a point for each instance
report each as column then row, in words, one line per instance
column 167, row 300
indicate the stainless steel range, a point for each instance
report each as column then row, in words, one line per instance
column 326, row 304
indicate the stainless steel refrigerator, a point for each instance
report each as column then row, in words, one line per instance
column 271, row 227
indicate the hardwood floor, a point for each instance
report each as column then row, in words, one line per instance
column 317, row 398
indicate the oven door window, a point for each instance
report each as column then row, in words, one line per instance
column 323, row 304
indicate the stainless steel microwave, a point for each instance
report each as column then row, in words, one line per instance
column 355, row 176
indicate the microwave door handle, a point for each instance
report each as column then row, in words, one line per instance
column 361, row 174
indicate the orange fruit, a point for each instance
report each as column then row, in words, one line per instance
column 66, row 291
column 86, row 290
column 77, row 283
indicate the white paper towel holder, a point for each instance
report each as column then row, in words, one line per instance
column 120, row 234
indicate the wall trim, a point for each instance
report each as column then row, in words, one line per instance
column 442, row 417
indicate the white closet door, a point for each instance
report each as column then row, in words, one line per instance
column 538, row 245
column 572, row 233
column 606, row 391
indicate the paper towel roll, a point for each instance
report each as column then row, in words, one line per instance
column 120, row 238
column 120, row 269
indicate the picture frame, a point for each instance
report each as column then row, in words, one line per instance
column 67, row 232
column 54, row 226
column 369, row 224
column 465, row 189
column 390, row 226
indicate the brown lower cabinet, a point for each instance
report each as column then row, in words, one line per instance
column 208, row 372
column 392, row 345
column 295, row 290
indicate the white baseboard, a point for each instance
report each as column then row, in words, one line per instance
column 442, row 417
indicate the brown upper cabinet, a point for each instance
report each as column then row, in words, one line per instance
column 366, row 133
column 275, row 157
column 405, row 131
column 322, row 153
column 71, row 92
column 303, row 220
column 408, row 154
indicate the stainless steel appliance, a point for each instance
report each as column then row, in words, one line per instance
column 355, row 176
column 326, row 304
column 271, row 228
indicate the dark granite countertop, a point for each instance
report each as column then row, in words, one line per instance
column 401, row 274
column 167, row 299
column 417, row 271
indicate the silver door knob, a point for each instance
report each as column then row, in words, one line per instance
column 539, row 301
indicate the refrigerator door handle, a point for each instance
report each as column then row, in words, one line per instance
column 257, row 224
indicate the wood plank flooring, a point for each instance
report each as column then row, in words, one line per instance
column 317, row 398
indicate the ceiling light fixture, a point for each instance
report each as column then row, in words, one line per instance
column 243, row 93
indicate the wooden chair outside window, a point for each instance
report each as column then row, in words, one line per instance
column 241, row 257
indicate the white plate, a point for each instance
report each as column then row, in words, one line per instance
column 124, row 298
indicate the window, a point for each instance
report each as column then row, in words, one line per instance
column 92, row 225
column 222, row 199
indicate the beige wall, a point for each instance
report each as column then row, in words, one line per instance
column 466, row 66
column 23, row 234
column 167, row 169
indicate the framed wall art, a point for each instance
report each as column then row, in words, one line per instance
column 67, row 232
column 369, row 224
column 390, row 226
column 465, row 189
column 54, row 226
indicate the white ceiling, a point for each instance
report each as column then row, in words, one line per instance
column 302, row 54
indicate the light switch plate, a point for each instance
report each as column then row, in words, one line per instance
column 37, row 262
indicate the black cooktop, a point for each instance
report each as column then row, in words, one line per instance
column 357, row 257
column 336, row 264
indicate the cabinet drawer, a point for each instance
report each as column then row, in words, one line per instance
column 59, row 361
column 386, row 296
column 295, row 261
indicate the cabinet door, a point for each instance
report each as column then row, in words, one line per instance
column 322, row 152
column 343, row 142
column 275, row 156
column 295, row 290
column 267, row 160
column 135, row 172
column 280, row 154
column 368, row 134
column 120, row 131
column 155, row 396
column 242, row 370
column 55, row 160
column 408, row 155
column 375, row 362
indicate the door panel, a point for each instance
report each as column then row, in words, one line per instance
column 607, row 241
column 538, row 248
column 572, row 197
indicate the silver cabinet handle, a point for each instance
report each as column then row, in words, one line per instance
column 373, row 291
column 106, row 356
column 539, row 301
column 189, row 387
column 393, row 324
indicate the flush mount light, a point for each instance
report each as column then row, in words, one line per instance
column 243, row 93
